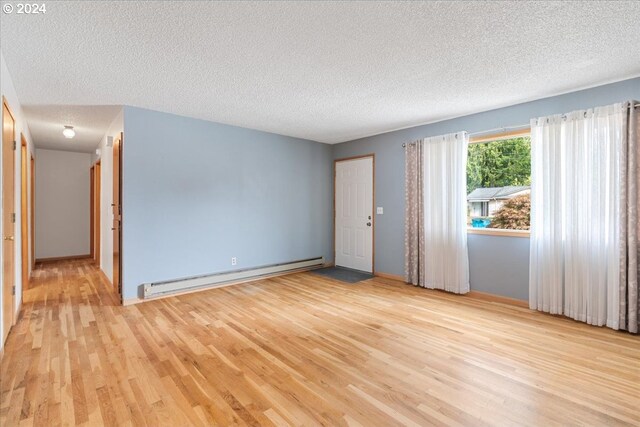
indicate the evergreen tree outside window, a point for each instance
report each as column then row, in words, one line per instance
column 498, row 184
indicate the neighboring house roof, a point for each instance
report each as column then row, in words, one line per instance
column 496, row 193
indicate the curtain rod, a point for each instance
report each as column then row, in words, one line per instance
column 488, row 131
column 505, row 129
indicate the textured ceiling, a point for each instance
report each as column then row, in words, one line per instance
column 326, row 71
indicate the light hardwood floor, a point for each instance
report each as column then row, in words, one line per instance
column 305, row 350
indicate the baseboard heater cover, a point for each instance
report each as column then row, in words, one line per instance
column 219, row 279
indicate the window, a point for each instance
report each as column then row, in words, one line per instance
column 499, row 183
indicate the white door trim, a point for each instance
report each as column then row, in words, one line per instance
column 373, row 203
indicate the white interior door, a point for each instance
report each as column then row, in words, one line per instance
column 354, row 214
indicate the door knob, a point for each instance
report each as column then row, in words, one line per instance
column 368, row 224
column 8, row 238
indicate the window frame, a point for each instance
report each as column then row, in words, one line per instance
column 491, row 137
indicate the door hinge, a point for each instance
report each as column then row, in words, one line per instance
column 13, row 218
column 13, row 290
column 14, row 145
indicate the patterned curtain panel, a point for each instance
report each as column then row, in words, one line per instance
column 436, row 208
column 630, row 223
column 414, row 214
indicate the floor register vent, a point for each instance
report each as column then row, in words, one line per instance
column 228, row 277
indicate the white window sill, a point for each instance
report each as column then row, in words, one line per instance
column 498, row 232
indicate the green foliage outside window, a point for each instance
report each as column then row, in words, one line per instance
column 499, row 164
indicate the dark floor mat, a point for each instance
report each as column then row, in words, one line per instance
column 343, row 274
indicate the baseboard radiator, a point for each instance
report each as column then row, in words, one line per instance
column 221, row 279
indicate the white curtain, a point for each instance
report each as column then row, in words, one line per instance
column 445, row 213
column 575, row 214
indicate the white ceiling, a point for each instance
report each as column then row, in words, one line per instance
column 326, row 71
column 90, row 122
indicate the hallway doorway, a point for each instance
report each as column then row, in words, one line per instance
column 8, row 218
column 117, row 214
column 95, row 212
column 24, row 211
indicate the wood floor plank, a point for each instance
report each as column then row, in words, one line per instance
column 305, row 350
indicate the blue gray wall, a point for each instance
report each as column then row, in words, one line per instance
column 497, row 264
column 197, row 193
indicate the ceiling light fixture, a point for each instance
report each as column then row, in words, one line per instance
column 68, row 132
